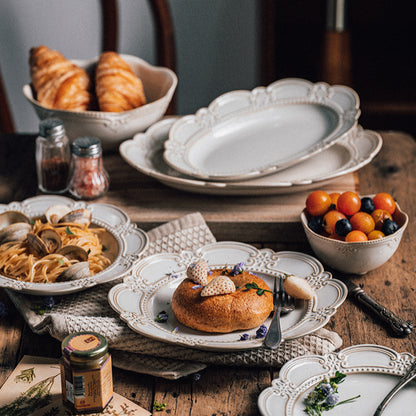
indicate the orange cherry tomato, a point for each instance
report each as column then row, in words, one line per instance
column 363, row 222
column 375, row 235
column 349, row 203
column 330, row 219
column 334, row 198
column 384, row 201
column 379, row 216
column 318, row 203
column 355, row 235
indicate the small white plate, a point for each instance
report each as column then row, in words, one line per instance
column 371, row 370
column 248, row 134
column 149, row 289
column 145, row 153
column 124, row 241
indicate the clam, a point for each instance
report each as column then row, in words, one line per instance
column 55, row 212
column 79, row 216
column 12, row 217
column 74, row 272
column 14, row 232
column 37, row 245
column 73, row 253
column 51, row 239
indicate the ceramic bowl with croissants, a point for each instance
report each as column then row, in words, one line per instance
column 112, row 97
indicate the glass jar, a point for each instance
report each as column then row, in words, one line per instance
column 86, row 372
column 89, row 180
column 52, row 156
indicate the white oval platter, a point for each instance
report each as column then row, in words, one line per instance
column 371, row 370
column 124, row 242
column 148, row 291
column 248, row 134
column 145, row 153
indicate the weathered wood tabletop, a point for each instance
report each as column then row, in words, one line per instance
column 228, row 390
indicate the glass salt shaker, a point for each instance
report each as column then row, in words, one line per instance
column 89, row 180
column 52, row 156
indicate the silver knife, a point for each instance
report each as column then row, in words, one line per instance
column 410, row 375
column 398, row 326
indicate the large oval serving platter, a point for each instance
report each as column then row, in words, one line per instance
column 124, row 243
column 248, row 134
column 148, row 290
column 371, row 372
column 145, row 153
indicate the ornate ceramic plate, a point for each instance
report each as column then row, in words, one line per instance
column 123, row 240
column 145, row 153
column 248, row 134
column 372, row 371
column 148, row 291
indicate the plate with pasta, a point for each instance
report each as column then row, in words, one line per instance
column 54, row 245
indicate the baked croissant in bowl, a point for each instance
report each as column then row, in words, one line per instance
column 58, row 82
column 116, row 85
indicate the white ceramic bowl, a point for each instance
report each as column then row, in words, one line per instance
column 358, row 257
column 112, row 128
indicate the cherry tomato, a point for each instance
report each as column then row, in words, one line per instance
column 384, row 201
column 363, row 222
column 349, row 203
column 355, row 235
column 379, row 216
column 318, row 203
column 334, row 199
column 375, row 235
column 330, row 219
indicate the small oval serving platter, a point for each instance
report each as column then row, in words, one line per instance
column 123, row 240
column 371, row 370
column 148, row 290
column 248, row 134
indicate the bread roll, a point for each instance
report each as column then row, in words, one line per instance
column 117, row 87
column 59, row 83
column 242, row 309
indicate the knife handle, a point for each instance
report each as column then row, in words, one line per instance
column 398, row 326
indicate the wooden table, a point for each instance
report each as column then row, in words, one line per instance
column 229, row 391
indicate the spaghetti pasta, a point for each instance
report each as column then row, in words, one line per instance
column 18, row 259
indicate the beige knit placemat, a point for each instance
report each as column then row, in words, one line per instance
column 89, row 310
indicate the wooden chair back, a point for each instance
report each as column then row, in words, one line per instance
column 165, row 43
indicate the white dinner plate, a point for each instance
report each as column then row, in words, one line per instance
column 371, row 370
column 149, row 289
column 124, row 243
column 248, row 134
column 145, row 153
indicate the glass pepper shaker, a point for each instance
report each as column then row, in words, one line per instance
column 52, row 156
column 89, row 180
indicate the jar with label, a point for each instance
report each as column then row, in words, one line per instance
column 86, row 372
column 89, row 180
column 52, row 156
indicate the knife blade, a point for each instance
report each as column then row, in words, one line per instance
column 397, row 326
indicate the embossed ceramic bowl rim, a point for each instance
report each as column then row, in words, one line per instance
column 88, row 63
column 377, row 242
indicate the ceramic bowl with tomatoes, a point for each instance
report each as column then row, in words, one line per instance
column 351, row 233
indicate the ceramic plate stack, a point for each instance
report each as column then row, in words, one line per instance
column 290, row 136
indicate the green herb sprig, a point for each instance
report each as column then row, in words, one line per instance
column 325, row 396
column 158, row 406
column 256, row 287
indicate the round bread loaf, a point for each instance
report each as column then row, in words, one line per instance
column 242, row 309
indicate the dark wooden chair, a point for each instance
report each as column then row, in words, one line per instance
column 165, row 43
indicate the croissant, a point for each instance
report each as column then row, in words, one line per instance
column 59, row 83
column 116, row 86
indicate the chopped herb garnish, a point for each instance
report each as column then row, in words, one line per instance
column 68, row 231
column 61, row 262
column 103, row 248
column 158, row 406
column 325, row 396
